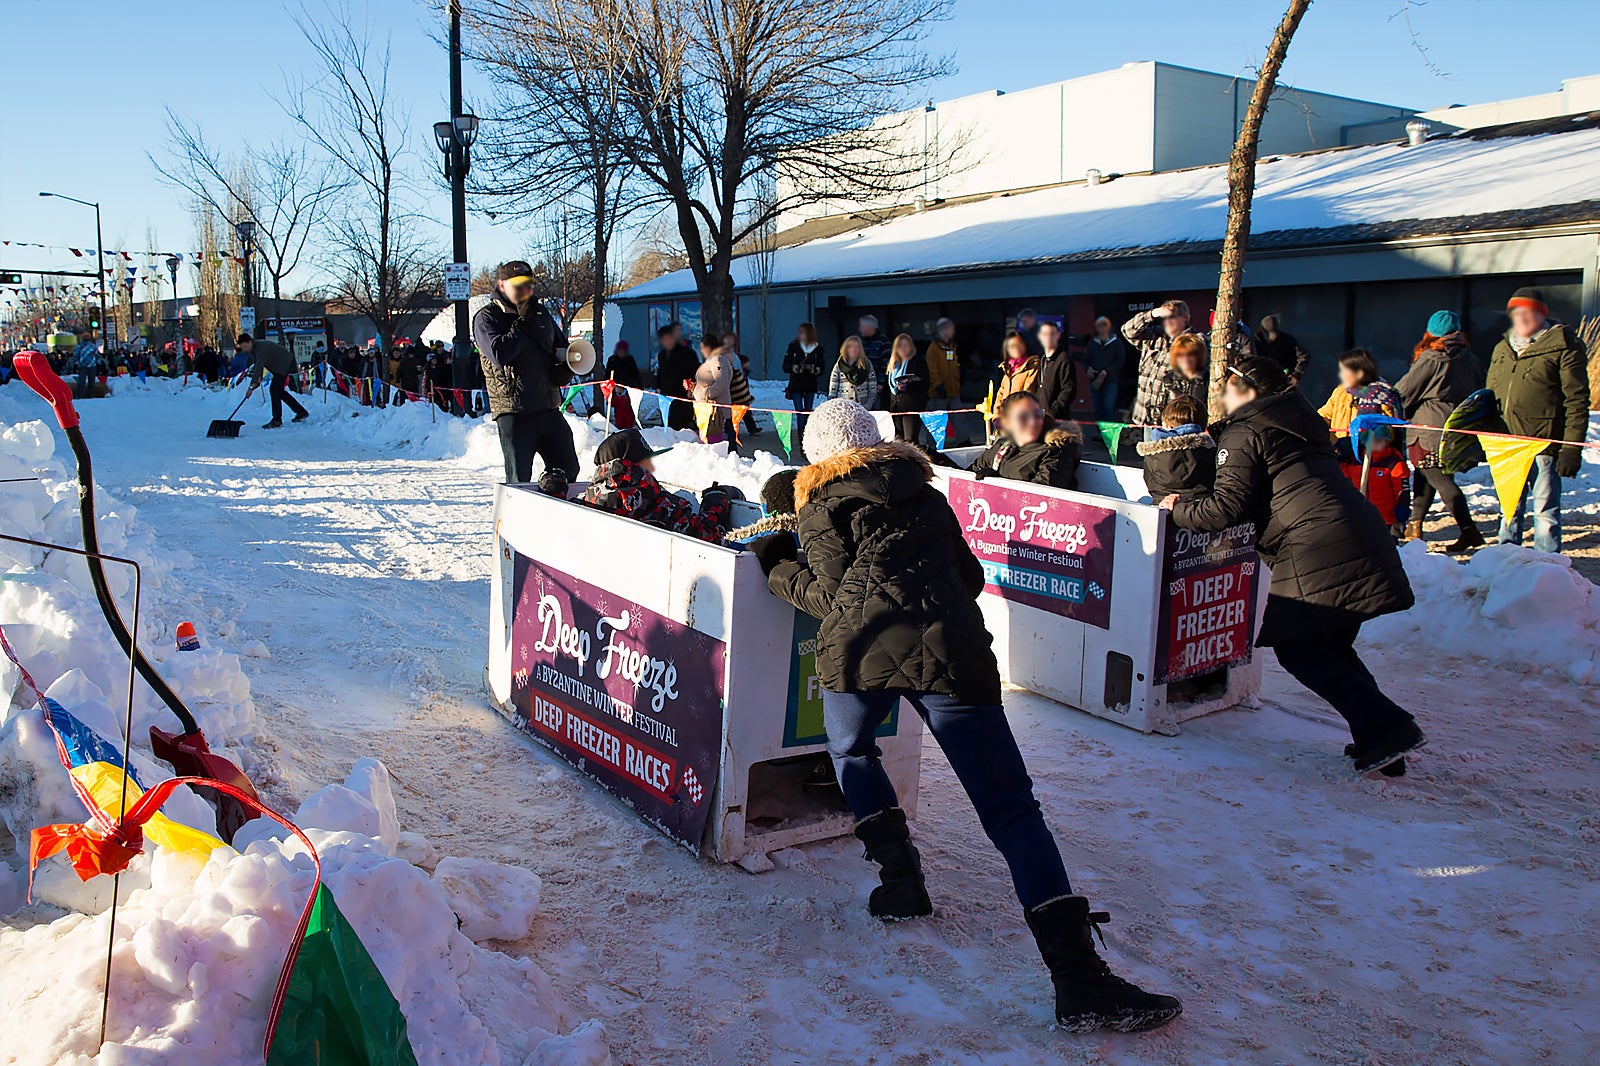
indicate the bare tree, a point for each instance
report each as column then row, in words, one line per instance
column 555, row 144
column 218, row 278
column 1241, row 193
column 714, row 93
column 282, row 188
column 381, row 263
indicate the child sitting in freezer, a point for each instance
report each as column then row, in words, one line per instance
column 625, row 484
column 1388, row 485
column 1180, row 456
column 777, row 508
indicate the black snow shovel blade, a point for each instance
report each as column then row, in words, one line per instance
column 227, row 427
column 187, row 752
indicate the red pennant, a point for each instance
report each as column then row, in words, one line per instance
column 607, row 387
column 76, row 252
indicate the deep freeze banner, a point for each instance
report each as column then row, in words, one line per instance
column 1208, row 610
column 1039, row 550
column 630, row 698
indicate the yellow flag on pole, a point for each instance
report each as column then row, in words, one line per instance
column 1509, row 463
column 703, row 410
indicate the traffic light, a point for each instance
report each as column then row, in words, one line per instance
column 94, row 322
column 11, row 278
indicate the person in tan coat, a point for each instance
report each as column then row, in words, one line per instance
column 944, row 368
column 1019, row 371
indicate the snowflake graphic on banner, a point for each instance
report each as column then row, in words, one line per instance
column 692, row 785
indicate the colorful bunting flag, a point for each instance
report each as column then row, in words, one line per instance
column 783, row 422
column 572, row 394
column 1111, row 433
column 938, row 425
column 739, row 411
column 703, row 410
column 1509, row 463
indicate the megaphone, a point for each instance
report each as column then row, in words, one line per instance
column 580, row 356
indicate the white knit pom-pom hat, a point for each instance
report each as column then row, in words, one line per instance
column 838, row 426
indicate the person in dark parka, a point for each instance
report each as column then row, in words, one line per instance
column 1334, row 565
column 888, row 572
column 1443, row 373
column 677, row 364
column 1058, row 374
column 1032, row 446
column 1180, row 456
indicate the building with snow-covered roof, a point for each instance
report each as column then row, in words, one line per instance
column 1351, row 247
column 1140, row 117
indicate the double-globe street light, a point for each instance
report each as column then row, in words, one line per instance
column 455, row 137
column 100, row 256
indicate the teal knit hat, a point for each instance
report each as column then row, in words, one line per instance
column 1444, row 323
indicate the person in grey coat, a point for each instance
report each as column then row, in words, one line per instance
column 274, row 359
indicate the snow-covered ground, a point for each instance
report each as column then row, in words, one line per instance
column 1303, row 915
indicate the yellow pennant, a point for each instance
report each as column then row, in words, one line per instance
column 1509, row 463
column 703, row 410
column 105, row 783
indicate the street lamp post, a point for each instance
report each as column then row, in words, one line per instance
column 455, row 138
column 173, row 263
column 100, row 257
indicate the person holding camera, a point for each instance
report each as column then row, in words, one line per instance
column 524, row 355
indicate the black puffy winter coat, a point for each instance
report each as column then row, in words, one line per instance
column 1051, row 460
column 1333, row 561
column 888, row 573
column 1186, row 462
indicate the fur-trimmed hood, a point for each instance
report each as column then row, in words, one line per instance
column 885, row 471
column 773, row 523
column 1181, row 442
column 1064, row 433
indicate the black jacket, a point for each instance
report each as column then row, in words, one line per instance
column 1285, row 351
column 803, row 369
column 520, row 371
column 1058, row 385
column 1106, row 355
column 624, row 370
column 1051, row 460
column 1333, row 561
column 674, row 368
column 1442, row 375
column 912, row 395
column 273, row 358
column 1173, row 384
column 887, row 571
column 1180, row 464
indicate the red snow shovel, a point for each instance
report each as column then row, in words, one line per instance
column 187, row 752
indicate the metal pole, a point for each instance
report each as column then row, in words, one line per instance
column 458, row 195
column 100, row 255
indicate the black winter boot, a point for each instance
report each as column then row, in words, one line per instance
column 1088, row 995
column 1394, row 769
column 1471, row 537
column 903, row 893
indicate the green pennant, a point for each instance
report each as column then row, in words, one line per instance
column 572, row 394
column 1111, row 433
column 783, row 422
column 338, row 1008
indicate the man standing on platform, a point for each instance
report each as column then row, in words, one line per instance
column 524, row 355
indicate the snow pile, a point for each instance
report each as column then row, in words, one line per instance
column 198, row 951
column 200, row 938
column 1524, row 608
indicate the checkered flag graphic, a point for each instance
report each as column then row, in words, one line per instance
column 692, row 785
column 1096, row 591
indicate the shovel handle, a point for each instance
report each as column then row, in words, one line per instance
column 35, row 371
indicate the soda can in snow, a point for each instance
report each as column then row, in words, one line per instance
column 187, row 640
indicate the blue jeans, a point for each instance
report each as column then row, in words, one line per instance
column 803, row 405
column 1105, row 401
column 984, row 756
column 1544, row 487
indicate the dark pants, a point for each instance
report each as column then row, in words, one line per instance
column 1329, row 666
column 804, row 403
column 279, row 391
column 541, row 433
column 1434, row 481
column 984, row 755
column 910, row 428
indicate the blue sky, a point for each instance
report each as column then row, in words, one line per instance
column 86, row 82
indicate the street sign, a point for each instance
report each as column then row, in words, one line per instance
column 457, row 281
column 247, row 319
